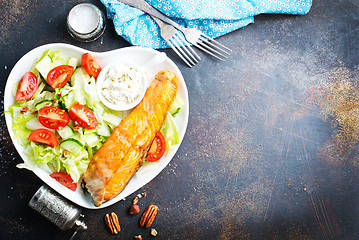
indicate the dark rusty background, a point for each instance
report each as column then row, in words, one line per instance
column 271, row 146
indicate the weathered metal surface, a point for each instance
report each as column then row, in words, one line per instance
column 271, row 146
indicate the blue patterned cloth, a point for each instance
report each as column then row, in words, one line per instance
column 214, row 17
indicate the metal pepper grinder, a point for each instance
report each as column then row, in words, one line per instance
column 57, row 209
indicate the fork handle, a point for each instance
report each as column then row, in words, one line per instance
column 146, row 7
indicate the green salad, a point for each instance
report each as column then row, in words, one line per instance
column 59, row 119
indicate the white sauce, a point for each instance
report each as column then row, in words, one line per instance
column 83, row 18
column 123, row 84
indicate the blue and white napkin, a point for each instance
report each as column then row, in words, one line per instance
column 214, row 17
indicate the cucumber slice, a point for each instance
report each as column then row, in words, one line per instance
column 44, row 66
column 72, row 145
column 91, row 139
column 103, row 130
column 34, row 124
column 176, row 106
column 111, row 118
column 73, row 76
column 42, row 104
column 66, row 132
column 78, row 81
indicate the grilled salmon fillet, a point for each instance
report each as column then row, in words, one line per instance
column 123, row 153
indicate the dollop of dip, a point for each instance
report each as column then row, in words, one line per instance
column 123, row 84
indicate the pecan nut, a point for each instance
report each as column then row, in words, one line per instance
column 112, row 223
column 148, row 216
column 154, row 232
column 66, row 154
column 135, row 200
column 24, row 110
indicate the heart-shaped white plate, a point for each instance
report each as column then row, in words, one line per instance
column 134, row 55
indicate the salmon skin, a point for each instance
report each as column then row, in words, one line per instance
column 123, row 153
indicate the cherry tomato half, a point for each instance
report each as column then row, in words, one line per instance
column 59, row 76
column 53, row 117
column 157, row 149
column 83, row 116
column 90, row 65
column 65, row 179
column 44, row 136
column 27, row 87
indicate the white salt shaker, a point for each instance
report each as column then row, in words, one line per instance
column 85, row 22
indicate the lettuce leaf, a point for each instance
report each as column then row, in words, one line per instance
column 21, row 132
column 76, row 164
column 44, row 154
column 170, row 132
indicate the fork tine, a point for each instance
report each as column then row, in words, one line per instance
column 189, row 54
column 207, row 45
column 179, row 53
column 215, row 47
column 211, row 40
column 209, row 50
column 178, row 47
column 177, row 42
column 192, row 35
column 189, row 47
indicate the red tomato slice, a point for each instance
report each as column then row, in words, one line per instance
column 90, row 65
column 83, row 116
column 53, row 117
column 58, row 76
column 27, row 87
column 65, row 179
column 44, row 136
column 157, row 149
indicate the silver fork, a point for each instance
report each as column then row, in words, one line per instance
column 178, row 43
column 192, row 35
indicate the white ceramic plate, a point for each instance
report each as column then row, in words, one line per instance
column 135, row 55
